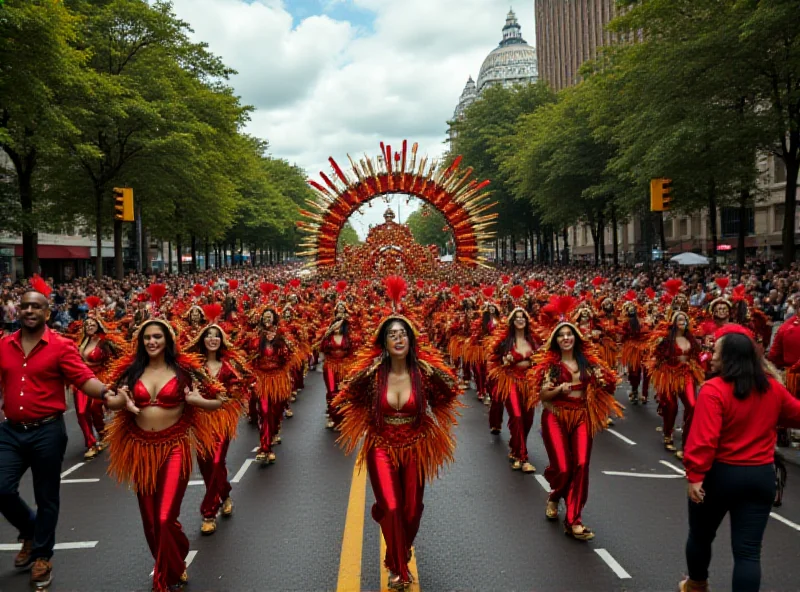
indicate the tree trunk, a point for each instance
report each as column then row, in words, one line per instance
column 98, row 230
column 558, row 247
column 179, row 253
column 712, row 220
column 30, row 237
column 207, row 254
column 614, row 235
column 193, row 240
column 169, row 269
column 601, row 233
column 146, row 267
column 744, row 199
column 790, row 200
column 119, row 265
column 565, row 234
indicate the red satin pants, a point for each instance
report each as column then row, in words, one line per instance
column 479, row 371
column 268, row 422
column 215, row 475
column 466, row 371
column 669, row 409
column 160, row 511
column 495, row 409
column 331, row 390
column 90, row 414
column 398, row 507
column 520, row 422
column 569, row 453
column 635, row 377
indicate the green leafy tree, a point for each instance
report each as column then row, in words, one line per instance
column 429, row 227
column 348, row 236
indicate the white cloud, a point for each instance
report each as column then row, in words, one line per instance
column 324, row 87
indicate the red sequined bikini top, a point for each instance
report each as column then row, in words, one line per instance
column 169, row 396
column 95, row 356
column 518, row 357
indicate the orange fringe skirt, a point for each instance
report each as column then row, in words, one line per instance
column 339, row 366
column 136, row 455
column 275, row 385
column 608, row 351
column 668, row 381
column 633, row 355
column 506, row 377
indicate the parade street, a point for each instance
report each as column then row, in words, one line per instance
column 304, row 523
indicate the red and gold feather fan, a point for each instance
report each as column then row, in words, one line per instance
column 92, row 302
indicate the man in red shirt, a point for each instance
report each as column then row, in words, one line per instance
column 785, row 352
column 35, row 364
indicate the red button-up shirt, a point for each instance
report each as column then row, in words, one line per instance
column 785, row 349
column 736, row 432
column 33, row 386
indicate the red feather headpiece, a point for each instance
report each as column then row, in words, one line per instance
column 341, row 286
column 199, row 290
column 420, row 284
column 326, row 284
column 41, row 286
column 516, row 292
column 598, row 281
column 570, row 284
column 295, row 283
column 723, row 283
column 233, row 284
column 506, row 279
column 738, row 293
column 267, row 288
column 456, row 290
column 673, row 286
column 396, row 288
column 630, row 296
column 92, row 302
column 729, row 328
column 562, row 305
column 488, row 291
column 157, row 292
column 535, row 284
column 212, row 312
column 650, row 293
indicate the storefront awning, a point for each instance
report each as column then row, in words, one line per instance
column 57, row 252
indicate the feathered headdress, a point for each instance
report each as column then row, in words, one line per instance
column 233, row 284
column 93, row 302
column 535, row 285
column 198, row 290
column 723, row 283
column 570, row 284
column 341, row 286
column 505, row 279
column 738, row 293
column 673, row 286
column 157, row 292
column 516, row 292
column 396, row 288
column 267, row 288
column 294, row 283
column 212, row 312
column 488, row 292
column 41, row 286
column 651, row 294
column 560, row 307
column 598, row 281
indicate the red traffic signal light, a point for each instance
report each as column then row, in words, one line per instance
column 123, row 204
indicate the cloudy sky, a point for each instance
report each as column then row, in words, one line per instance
column 332, row 77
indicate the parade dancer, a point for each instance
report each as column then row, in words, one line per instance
column 635, row 335
column 271, row 363
column 151, row 439
column 511, row 357
column 476, row 351
column 98, row 346
column 399, row 404
column 676, row 372
column 338, row 344
column 577, row 392
column 224, row 364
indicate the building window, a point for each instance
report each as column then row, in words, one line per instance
column 779, row 170
column 696, row 226
column 668, row 229
column 779, row 214
column 730, row 221
column 684, row 224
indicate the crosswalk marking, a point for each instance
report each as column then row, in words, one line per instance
column 612, row 563
column 72, row 469
column 645, row 475
column 69, row 481
column 240, row 473
column 677, row 469
column 621, row 437
column 787, row 522
column 58, row 547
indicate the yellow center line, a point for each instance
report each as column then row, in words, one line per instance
column 353, row 540
column 412, row 569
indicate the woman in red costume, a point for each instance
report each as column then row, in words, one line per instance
column 271, row 360
column 152, row 437
column 400, row 405
column 635, row 336
column 510, row 358
column 190, row 325
column 98, row 348
column 676, row 372
column 224, row 364
column 475, row 348
column 268, row 319
column 296, row 329
column 338, row 344
column 577, row 392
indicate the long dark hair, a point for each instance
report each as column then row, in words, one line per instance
column 134, row 372
column 577, row 350
column 487, row 316
column 511, row 337
column 201, row 343
column 742, row 366
column 262, row 343
column 633, row 323
column 386, row 364
column 672, row 334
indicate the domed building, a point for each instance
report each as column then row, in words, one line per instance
column 512, row 62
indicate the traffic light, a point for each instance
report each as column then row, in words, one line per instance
column 123, row 204
column 660, row 194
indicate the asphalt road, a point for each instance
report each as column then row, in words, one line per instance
column 483, row 528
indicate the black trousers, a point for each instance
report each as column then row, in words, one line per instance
column 747, row 494
column 42, row 450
